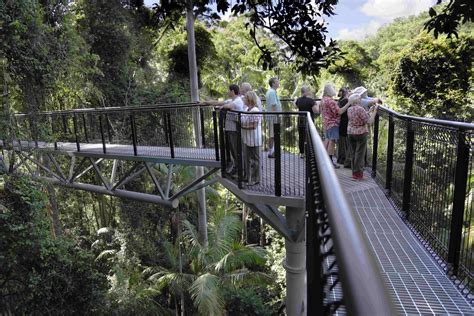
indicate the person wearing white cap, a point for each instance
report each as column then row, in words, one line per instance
column 365, row 101
column 358, row 131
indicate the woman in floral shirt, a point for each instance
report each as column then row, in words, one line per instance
column 357, row 131
column 331, row 114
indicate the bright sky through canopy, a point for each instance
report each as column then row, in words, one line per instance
column 356, row 19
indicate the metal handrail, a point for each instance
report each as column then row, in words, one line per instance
column 445, row 123
column 363, row 288
column 162, row 106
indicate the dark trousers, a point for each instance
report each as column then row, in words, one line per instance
column 359, row 148
column 302, row 137
column 232, row 145
column 344, row 151
column 252, row 164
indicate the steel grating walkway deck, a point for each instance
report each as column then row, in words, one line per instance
column 416, row 282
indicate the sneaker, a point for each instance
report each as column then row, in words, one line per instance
column 336, row 166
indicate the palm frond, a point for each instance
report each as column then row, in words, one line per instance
column 177, row 282
column 191, row 236
column 246, row 277
column 206, row 295
column 106, row 254
column 240, row 256
column 223, row 234
column 171, row 253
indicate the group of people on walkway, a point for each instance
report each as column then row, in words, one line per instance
column 243, row 99
column 344, row 122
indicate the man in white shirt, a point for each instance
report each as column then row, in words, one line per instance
column 234, row 103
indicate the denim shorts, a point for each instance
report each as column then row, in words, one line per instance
column 333, row 133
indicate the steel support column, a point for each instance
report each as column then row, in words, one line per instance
column 295, row 263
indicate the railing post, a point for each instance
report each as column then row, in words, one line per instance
column 109, row 132
column 460, row 184
column 216, row 140
column 222, row 143
column 74, row 122
column 203, row 135
column 375, row 146
column 85, row 128
column 53, row 133
column 408, row 172
column 170, row 134
column 63, row 119
column 102, row 133
column 240, row 173
column 134, row 134
column 389, row 171
column 33, row 131
column 276, row 129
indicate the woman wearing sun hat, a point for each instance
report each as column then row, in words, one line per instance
column 358, row 131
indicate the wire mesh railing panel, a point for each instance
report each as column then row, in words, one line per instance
column 466, row 271
column 382, row 149
column 434, row 168
column 186, row 131
column 152, row 132
column 263, row 154
column 399, row 150
column 426, row 166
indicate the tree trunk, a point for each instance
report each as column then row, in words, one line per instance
column 262, row 233
column 201, row 194
column 53, row 202
column 58, row 231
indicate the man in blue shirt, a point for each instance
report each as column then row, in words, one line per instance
column 273, row 105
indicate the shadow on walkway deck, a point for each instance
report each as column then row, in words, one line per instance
column 416, row 282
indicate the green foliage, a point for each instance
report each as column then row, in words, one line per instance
column 414, row 72
column 246, row 302
column 434, row 75
column 205, row 54
column 296, row 24
column 205, row 271
column 130, row 292
column 39, row 273
column 355, row 65
column 35, row 47
column 276, row 257
column 455, row 13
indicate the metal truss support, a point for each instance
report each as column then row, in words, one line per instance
column 112, row 185
column 272, row 217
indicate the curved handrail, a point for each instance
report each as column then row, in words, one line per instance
column 363, row 288
column 453, row 124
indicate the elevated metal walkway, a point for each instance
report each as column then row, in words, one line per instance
column 359, row 244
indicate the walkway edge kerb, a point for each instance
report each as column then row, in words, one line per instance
column 363, row 288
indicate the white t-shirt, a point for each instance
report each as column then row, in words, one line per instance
column 231, row 118
column 252, row 137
